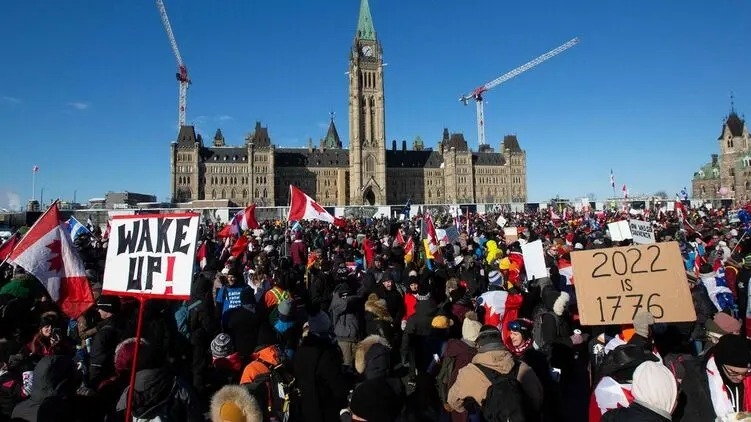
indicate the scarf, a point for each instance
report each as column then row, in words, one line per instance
column 518, row 351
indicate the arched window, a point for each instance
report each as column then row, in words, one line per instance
column 370, row 164
column 256, row 194
column 232, row 193
column 245, row 194
column 224, row 194
column 213, row 194
column 265, row 193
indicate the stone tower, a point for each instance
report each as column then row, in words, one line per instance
column 367, row 123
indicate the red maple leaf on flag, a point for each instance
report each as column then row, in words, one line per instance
column 56, row 258
column 317, row 207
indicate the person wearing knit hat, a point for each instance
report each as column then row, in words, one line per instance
column 643, row 322
column 470, row 328
column 319, row 324
column 718, row 387
column 494, row 278
column 233, row 403
column 655, row 393
column 221, row 346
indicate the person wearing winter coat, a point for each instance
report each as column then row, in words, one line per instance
column 655, row 392
column 378, row 320
column 52, row 396
column 243, row 325
column 346, row 309
column 491, row 353
column 157, row 393
column 381, row 396
column 233, row 403
column 417, row 332
column 317, row 366
column 103, row 343
column 462, row 351
column 201, row 326
column 719, row 385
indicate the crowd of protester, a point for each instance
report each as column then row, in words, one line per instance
column 322, row 323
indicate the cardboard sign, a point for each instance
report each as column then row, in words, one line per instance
column 510, row 235
column 151, row 255
column 642, row 232
column 614, row 284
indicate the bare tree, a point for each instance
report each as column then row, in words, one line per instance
column 661, row 194
column 592, row 197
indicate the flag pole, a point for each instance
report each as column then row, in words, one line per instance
column 33, row 184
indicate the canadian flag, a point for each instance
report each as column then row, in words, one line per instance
column 608, row 395
column 303, row 207
column 242, row 221
column 47, row 252
column 501, row 307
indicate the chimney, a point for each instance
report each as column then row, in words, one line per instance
column 393, row 145
column 714, row 159
column 404, row 145
column 310, row 145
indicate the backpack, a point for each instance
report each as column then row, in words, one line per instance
column 504, row 399
column 181, row 317
column 539, row 343
column 271, row 383
column 443, row 377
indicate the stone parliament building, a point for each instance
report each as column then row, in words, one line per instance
column 728, row 174
column 370, row 172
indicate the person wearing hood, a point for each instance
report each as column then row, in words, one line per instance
column 201, row 327
column 380, row 397
column 346, row 309
column 157, row 393
column 233, row 403
column 720, row 385
column 418, row 330
column 655, row 393
column 472, row 383
column 53, row 390
column 317, row 366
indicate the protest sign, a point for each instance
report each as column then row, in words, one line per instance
column 151, row 255
column 614, row 284
column 642, row 232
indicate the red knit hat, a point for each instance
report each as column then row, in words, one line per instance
column 124, row 354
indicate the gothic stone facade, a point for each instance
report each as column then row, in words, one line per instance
column 731, row 168
column 368, row 173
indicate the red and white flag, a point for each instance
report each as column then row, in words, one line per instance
column 201, row 255
column 7, row 247
column 609, row 395
column 303, row 207
column 246, row 219
column 501, row 307
column 47, row 252
column 106, row 235
column 625, row 192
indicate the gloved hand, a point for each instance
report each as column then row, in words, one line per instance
column 577, row 339
column 404, row 324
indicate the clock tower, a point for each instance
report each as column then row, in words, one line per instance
column 367, row 140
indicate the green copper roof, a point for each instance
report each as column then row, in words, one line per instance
column 332, row 140
column 365, row 29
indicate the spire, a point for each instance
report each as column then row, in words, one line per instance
column 331, row 141
column 365, row 29
column 732, row 102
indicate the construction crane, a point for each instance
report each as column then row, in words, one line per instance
column 478, row 93
column 182, row 71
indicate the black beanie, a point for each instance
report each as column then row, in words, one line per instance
column 732, row 350
column 489, row 339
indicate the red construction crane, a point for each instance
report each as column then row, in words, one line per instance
column 478, row 92
column 182, row 71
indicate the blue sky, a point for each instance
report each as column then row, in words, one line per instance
column 87, row 90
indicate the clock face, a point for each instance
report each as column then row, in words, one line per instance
column 367, row 51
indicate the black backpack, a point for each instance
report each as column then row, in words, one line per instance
column 504, row 399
